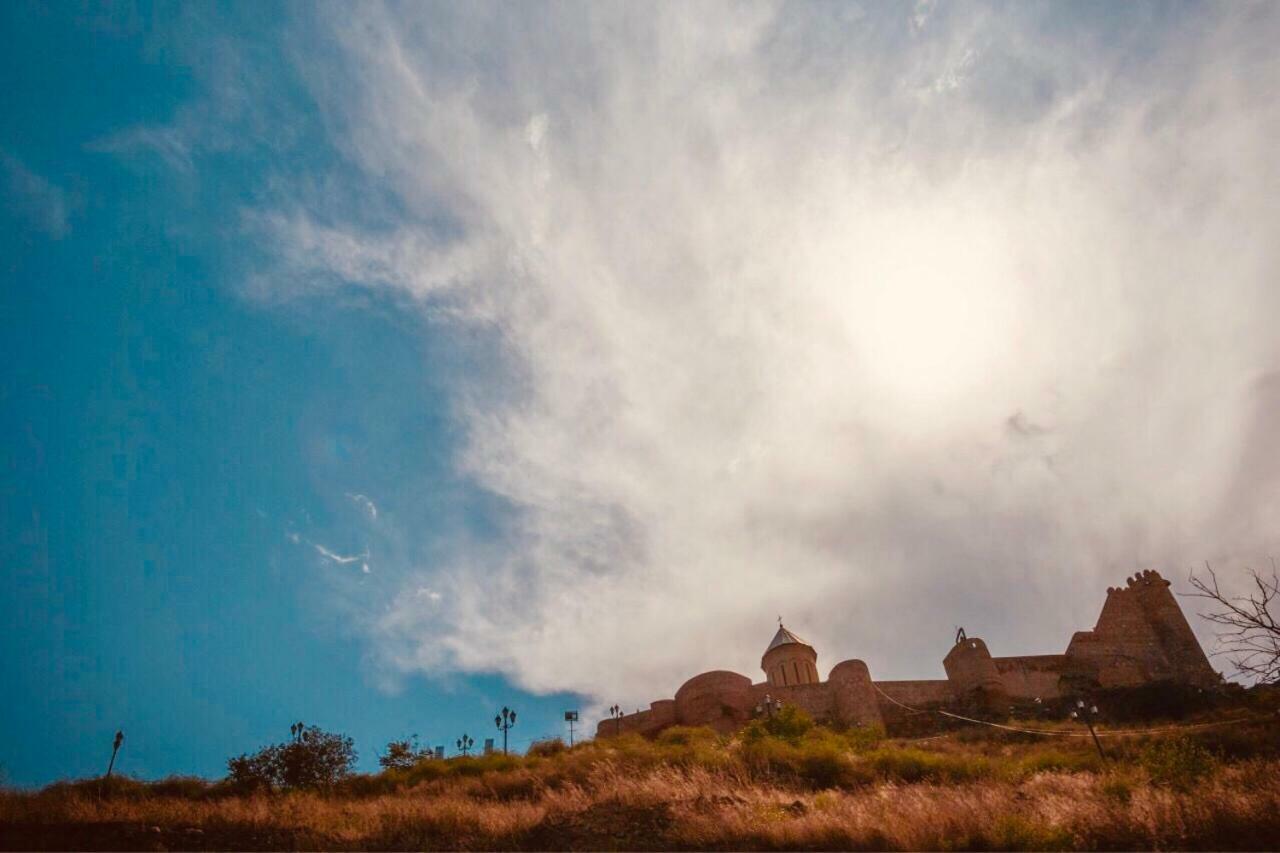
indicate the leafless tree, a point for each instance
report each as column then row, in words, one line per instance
column 1248, row 634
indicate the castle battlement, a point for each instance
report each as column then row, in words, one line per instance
column 1141, row 637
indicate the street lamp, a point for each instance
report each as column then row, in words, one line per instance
column 115, row 747
column 465, row 743
column 505, row 721
column 1087, row 716
column 769, row 706
column 616, row 713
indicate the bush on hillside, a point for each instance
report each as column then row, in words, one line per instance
column 1177, row 763
column 403, row 754
column 546, row 748
column 788, row 724
column 316, row 759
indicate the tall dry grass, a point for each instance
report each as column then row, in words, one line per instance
column 691, row 789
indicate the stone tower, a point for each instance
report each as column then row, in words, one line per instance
column 972, row 671
column 1141, row 636
column 789, row 660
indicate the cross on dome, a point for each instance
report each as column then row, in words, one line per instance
column 783, row 637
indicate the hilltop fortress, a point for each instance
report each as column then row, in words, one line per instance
column 1141, row 637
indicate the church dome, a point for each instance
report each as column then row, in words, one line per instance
column 789, row 660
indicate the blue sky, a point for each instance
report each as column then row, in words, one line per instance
column 163, row 437
column 381, row 365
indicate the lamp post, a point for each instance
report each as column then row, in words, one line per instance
column 505, row 721
column 1087, row 715
column 769, row 706
column 616, row 713
column 465, row 743
column 115, row 747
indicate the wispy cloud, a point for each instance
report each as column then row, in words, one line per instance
column 338, row 558
column 365, row 504
column 886, row 321
column 330, row 555
column 34, row 199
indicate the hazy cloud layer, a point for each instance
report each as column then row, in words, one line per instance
column 881, row 318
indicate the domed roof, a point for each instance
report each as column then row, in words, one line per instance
column 783, row 638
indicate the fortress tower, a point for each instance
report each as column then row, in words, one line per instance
column 1141, row 636
column 973, row 673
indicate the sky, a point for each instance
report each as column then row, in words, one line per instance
column 382, row 365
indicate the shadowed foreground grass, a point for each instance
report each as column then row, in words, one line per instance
column 810, row 789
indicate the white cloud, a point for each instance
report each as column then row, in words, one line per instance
column 789, row 337
column 340, row 559
column 172, row 144
column 366, row 505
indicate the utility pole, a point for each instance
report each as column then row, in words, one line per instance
column 505, row 721
column 1087, row 715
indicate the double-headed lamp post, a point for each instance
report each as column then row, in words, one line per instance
column 465, row 743
column 769, row 706
column 616, row 713
column 1087, row 715
column 505, row 721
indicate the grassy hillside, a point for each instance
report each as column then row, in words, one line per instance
column 789, row 785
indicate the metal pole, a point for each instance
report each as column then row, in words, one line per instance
column 1088, row 722
column 115, row 747
column 1087, row 714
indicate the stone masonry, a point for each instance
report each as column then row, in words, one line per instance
column 1142, row 637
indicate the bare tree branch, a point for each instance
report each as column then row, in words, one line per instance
column 1251, row 639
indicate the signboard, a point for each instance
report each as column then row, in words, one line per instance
column 571, row 716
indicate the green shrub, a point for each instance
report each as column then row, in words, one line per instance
column 403, row 754
column 1241, row 741
column 1161, row 700
column 789, row 724
column 1060, row 761
column 1177, row 763
column 316, row 759
column 916, row 765
column 864, row 738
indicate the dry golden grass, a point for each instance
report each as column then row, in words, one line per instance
column 692, row 790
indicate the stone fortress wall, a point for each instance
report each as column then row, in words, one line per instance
column 1141, row 637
